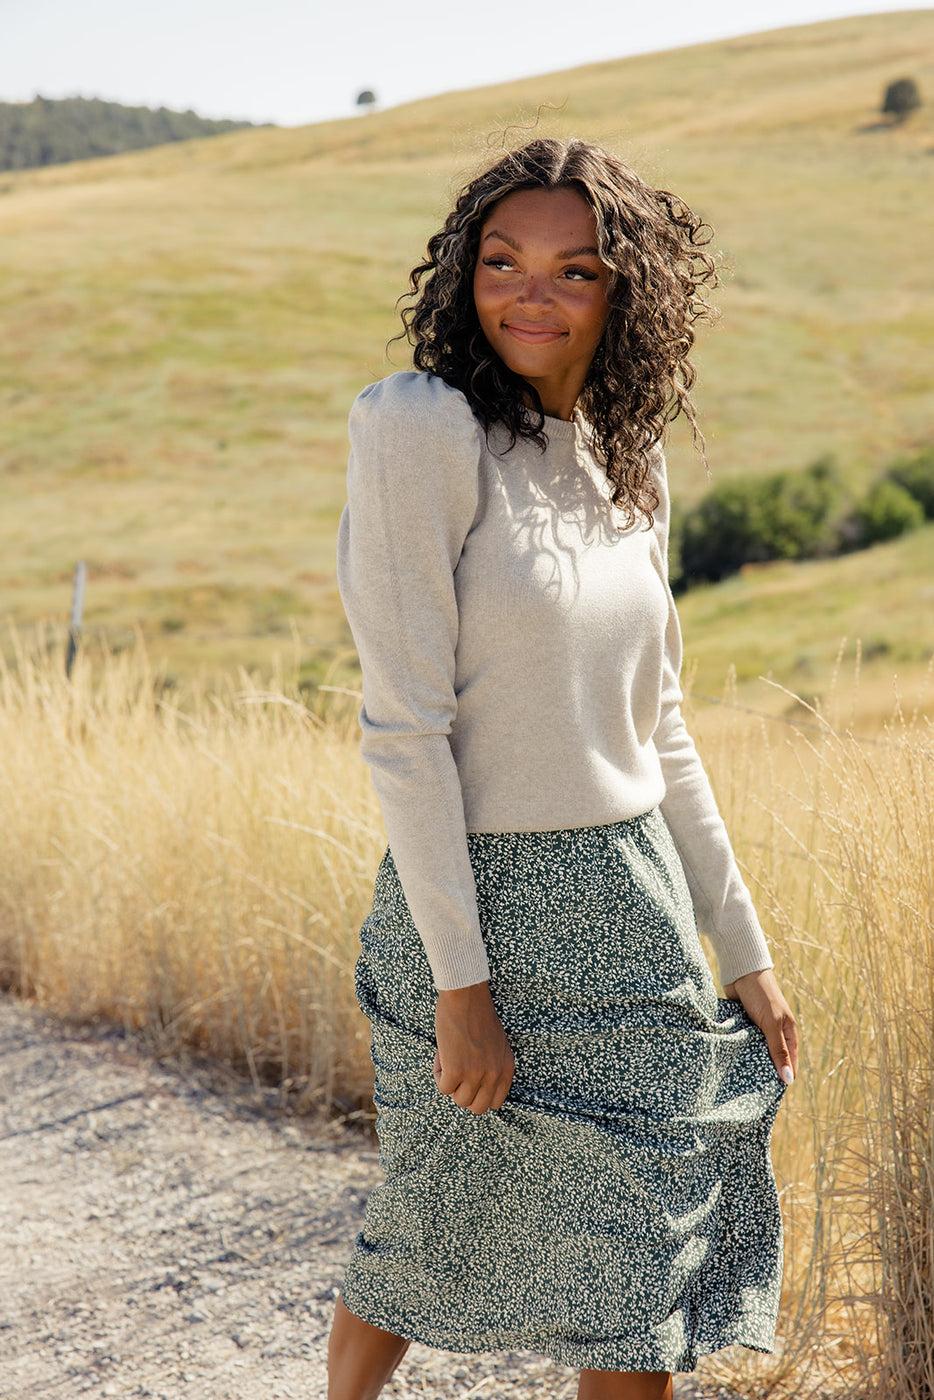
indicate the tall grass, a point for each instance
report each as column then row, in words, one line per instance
column 193, row 865
column 198, row 865
column 837, row 837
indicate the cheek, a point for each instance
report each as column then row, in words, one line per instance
column 601, row 316
column 478, row 299
column 484, row 302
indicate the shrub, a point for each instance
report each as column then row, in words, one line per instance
column 886, row 511
column 901, row 99
column 789, row 515
column 800, row 511
column 916, row 475
column 716, row 534
column 675, row 537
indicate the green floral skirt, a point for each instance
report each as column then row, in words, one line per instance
column 619, row 1211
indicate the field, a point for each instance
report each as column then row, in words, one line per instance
column 189, row 836
column 183, row 330
column 195, row 866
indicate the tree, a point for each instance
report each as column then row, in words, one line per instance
column 787, row 515
column 901, row 99
column 885, row 512
column 366, row 99
column 916, row 475
column 48, row 131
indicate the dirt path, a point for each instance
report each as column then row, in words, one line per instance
column 164, row 1238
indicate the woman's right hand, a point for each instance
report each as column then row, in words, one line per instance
column 474, row 1063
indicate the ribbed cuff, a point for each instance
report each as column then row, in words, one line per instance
column 741, row 949
column 457, row 959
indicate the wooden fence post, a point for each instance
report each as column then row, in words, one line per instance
column 77, row 611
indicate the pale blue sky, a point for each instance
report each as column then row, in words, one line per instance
column 296, row 61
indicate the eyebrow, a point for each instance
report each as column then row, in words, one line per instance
column 585, row 249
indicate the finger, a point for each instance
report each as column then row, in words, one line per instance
column 505, row 1083
column 781, row 1056
column 456, row 1086
column 437, row 1067
column 484, row 1098
column 475, row 1100
column 501, row 1095
column 486, row 1094
column 461, row 1086
column 791, row 1040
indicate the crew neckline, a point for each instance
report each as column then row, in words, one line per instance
column 561, row 428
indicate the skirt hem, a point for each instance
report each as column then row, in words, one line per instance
column 629, row 1354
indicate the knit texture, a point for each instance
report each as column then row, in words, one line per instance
column 520, row 651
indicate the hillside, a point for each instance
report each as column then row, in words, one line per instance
column 51, row 131
column 182, row 330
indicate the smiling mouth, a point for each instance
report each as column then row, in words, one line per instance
column 532, row 335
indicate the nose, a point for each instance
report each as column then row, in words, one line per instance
column 536, row 290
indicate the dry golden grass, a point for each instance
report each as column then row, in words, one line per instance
column 837, row 838
column 195, row 866
column 198, row 866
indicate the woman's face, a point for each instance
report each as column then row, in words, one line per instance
column 541, row 290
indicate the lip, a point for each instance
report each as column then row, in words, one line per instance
column 532, row 333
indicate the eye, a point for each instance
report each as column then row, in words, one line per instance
column 582, row 274
column 498, row 260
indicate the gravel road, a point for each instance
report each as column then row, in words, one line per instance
column 166, row 1236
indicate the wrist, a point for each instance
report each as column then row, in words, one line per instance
column 761, row 974
column 461, row 996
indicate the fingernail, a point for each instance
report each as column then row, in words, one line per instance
column 786, row 1074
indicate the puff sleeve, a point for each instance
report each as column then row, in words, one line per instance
column 722, row 904
column 412, row 497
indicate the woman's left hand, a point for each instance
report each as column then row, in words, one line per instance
column 762, row 998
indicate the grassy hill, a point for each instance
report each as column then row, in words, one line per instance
column 182, row 330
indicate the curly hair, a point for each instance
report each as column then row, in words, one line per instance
column 641, row 375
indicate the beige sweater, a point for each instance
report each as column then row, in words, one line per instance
column 520, row 656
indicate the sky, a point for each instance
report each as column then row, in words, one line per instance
column 298, row 61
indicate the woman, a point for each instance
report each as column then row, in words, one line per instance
column 574, row 1129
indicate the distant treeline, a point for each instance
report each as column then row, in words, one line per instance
column 806, row 514
column 50, row 131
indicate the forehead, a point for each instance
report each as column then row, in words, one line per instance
column 560, row 214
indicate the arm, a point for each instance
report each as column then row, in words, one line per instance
column 412, row 498
column 721, row 900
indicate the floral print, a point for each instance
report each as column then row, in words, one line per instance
column 619, row 1211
